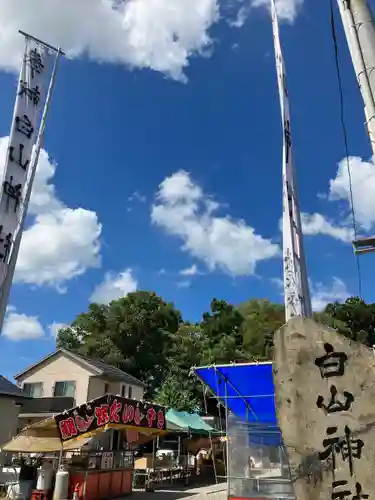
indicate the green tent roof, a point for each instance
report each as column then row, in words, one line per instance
column 188, row 422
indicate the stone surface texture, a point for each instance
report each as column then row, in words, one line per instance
column 304, row 420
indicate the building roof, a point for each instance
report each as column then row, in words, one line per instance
column 10, row 390
column 110, row 371
column 46, row 406
column 100, row 368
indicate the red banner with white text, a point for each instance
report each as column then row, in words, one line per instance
column 109, row 411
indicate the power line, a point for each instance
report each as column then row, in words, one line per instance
column 345, row 137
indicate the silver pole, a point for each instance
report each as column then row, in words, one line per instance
column 178, row 449
column 359, row 30
column 364, row 26
column 60, row 457
column 40, row 42
column 4, row 296
column 228, row 470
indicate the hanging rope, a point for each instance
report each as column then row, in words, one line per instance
column 345, row 137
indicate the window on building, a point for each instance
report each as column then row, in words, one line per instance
column 33, row 389
column 65, row 388
column 123, row 390
column 130, row 392
column 106, row 388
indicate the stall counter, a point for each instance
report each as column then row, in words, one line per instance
column 97, row 484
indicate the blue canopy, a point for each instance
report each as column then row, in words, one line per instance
column 247, row 389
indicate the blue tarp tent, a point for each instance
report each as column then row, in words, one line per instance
column 249, row 393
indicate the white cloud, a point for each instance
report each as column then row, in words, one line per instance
column 321, row 294
column 362, row 175
column 287, row 10
column 278, row 282
column 363, row 187
column 21, row 327
column 241, row 15
column 55, row 327
column 182, row 209
column 114, row 286
column 59, row 247
column 156, row 34
column 314, row 224
column 61, row 243
column 184, row 284
column 136, row 196
column 43, row 198
column 190, row 271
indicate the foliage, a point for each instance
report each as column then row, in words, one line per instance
column 132, row 333
column 356, row 319
column 146, row 337
column 179, row 389
column 261, row 319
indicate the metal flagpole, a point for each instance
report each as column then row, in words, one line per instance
column 8, row 279
column 228, row 464
column 296, row 286
column 359, row 30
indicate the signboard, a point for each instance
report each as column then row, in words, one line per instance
column 107, row 460
column 24, row 130
column 106, row 411
column 325, row 387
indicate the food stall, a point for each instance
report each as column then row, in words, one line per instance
column 257, row 463
column 96, row 470
column 167, row 459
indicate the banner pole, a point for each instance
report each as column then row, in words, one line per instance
column 40, row 42
column 4, row 294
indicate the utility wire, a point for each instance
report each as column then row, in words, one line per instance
column 345, row 137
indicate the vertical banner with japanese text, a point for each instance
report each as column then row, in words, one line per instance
column 296, row 287
column 33, row 80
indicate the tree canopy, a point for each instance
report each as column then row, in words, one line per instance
column 148, row 338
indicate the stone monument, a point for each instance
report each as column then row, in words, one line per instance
column 325, row 402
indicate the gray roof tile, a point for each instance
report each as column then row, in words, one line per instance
column 109, row 370
column 9, row 389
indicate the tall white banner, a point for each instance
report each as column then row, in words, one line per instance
column 34, row 76
column 296, row 287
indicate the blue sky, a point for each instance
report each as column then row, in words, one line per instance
column 162, row 157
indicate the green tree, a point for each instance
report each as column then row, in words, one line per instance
column 354, row 318
column 176, row 392
column 180, row 389
column 146, row 337
column 91, row 323
column 221, row 333
column 133, row 333
column 262, row 319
